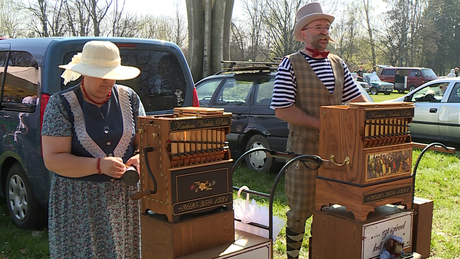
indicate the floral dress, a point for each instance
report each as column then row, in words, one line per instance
column 93, row 216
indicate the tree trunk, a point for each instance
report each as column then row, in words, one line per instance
column 209, row 24
column 227, row 29
column 195, row 13
column 217, row 37
column 207, row 37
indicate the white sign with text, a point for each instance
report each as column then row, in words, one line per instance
column 376, row 233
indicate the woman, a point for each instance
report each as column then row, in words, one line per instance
column 89, row 139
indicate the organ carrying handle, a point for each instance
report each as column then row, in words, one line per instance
column 345, row 162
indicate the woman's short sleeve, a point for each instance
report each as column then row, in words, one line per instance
column 56, row 120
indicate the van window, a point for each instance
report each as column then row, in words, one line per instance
column 3, row 60
column 206, row 90
column 235, row 92
column 428, row 72
column 161, row 84
column 388, row 72
column 264, row 93
column 20, row 87
column 414, row 73
column 402, row 72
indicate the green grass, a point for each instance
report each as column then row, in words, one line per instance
column 20, row 243
column 382, row 97
column 437, row 179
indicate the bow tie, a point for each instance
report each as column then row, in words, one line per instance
column 318, row 53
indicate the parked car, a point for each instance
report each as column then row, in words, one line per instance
column 364, row 85
column 247, row 93
column 29, row 75
column 377, row 86
column 437, row 111
column 406, row 78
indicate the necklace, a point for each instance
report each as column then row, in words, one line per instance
column 91, row 100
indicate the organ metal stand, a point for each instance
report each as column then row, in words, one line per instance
column 364, row 194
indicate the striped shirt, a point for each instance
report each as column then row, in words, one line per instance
column 285, row 88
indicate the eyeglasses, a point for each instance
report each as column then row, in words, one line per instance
column 319, row 28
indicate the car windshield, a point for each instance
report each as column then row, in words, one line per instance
column 428, row 72
column 373, row 78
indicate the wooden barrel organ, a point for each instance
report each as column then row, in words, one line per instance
column 370, row 152
column 186, row 166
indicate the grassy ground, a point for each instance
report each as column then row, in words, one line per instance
column 20, row 243
column 437, row 180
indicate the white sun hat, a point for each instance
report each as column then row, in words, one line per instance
column 99, row 59
column 307, row 14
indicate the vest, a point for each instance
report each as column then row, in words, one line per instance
column 82, row 142
column 311, row 92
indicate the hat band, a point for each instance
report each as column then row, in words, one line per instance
column 100, row 63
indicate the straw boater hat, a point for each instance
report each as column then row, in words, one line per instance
column 98, row 59
column 307, row 14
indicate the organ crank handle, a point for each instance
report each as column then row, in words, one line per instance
column 138, row 195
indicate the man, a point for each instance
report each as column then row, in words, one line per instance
column 305, row 81
column 456, row 71
column 360, row 74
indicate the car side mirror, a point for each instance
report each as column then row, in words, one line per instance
column 408, row 98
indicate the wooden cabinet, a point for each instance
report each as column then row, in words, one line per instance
column 246, row 246
column 165, row 240
column 335, row 235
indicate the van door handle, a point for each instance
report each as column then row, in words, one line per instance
column 433, row 110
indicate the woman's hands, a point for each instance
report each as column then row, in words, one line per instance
column 112, row 166
column 134, row 161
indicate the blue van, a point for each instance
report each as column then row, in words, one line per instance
column 29, row 75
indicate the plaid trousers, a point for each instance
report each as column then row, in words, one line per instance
column 300, row 183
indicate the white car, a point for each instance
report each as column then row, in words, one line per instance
column 437, row 111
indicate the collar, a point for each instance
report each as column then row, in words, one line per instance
column 317, row 52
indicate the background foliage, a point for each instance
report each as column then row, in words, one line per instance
column 368, row 32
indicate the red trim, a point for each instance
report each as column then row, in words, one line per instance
column 99, row 165
column 195, row 100
column 43, row 102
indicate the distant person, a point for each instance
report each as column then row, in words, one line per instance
column 360, row 74
column 456, row 71
column 452, row 73
column 305, row 81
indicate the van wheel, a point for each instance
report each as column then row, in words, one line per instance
column 411, row 88
column 374, row 91
column 22, row 204
column 258, row 160
column 401, row 91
